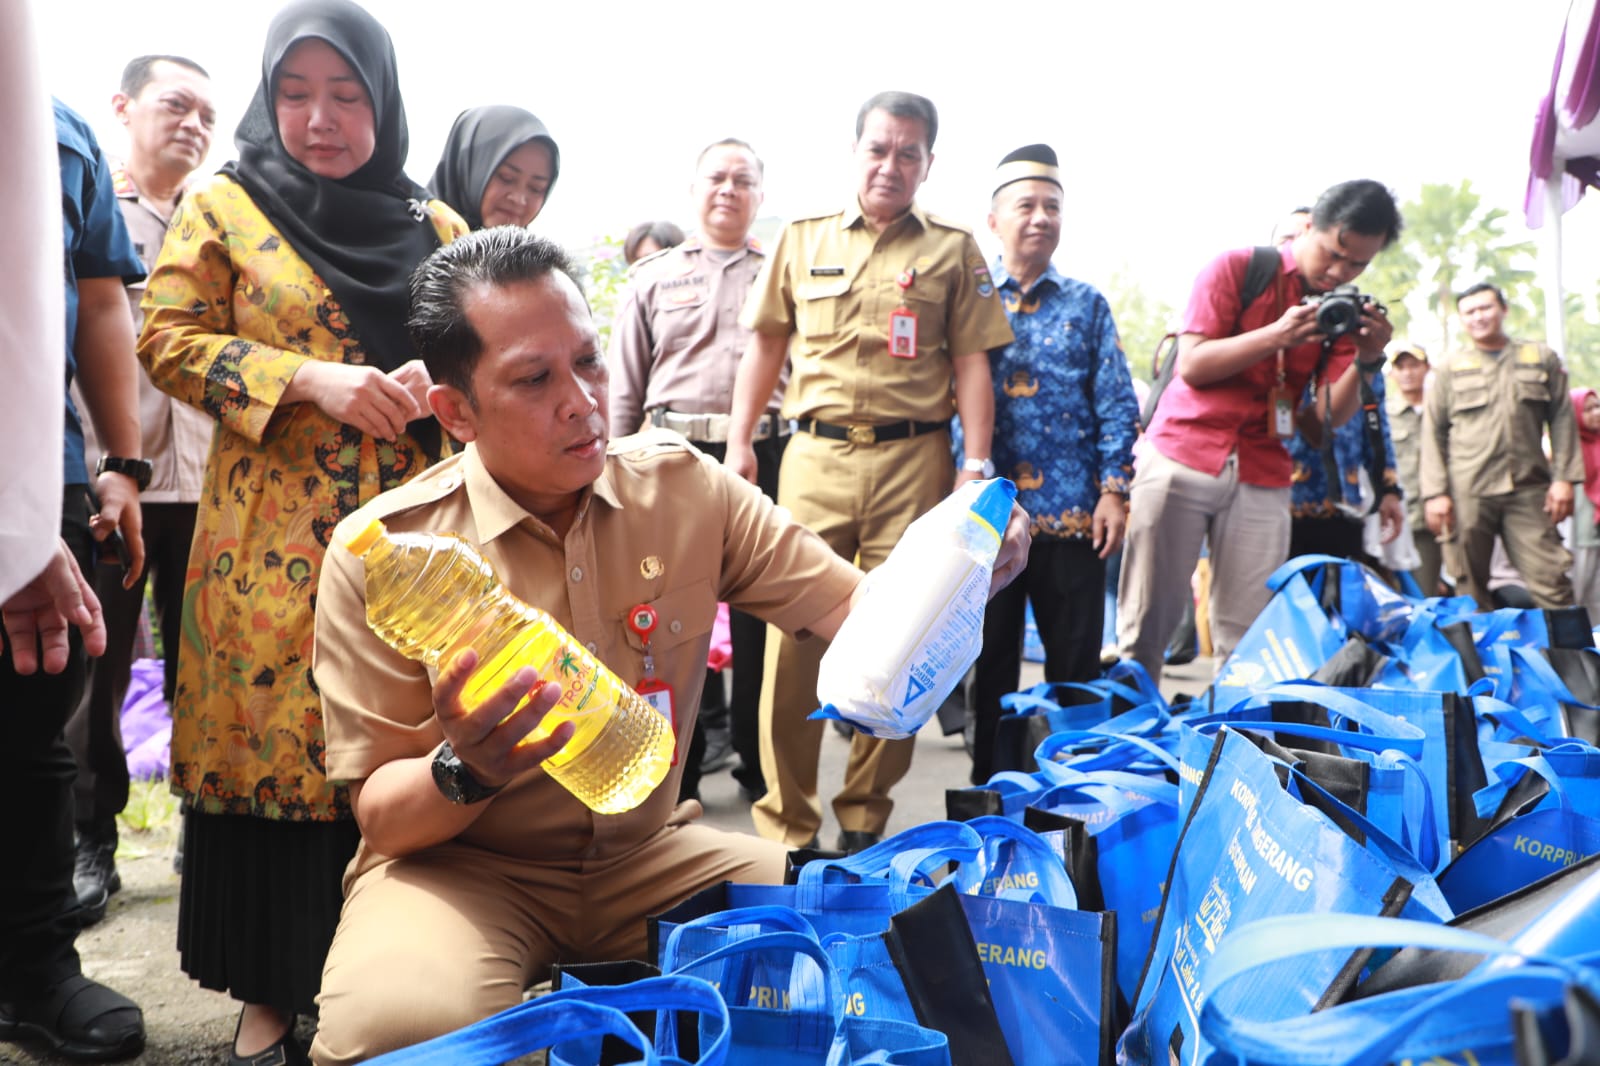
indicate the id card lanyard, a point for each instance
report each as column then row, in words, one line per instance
column 1280, row 405
column 654, row 691
column 903, row 321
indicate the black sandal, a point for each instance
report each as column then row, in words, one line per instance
column 79, row 1019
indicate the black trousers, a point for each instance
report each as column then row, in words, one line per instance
column 94, row 732
column 749, row 637
column 37, row 921
column 1066, row 582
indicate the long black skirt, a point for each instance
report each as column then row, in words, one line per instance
column 259, row 904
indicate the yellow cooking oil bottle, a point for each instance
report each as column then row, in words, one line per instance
column 430, row 594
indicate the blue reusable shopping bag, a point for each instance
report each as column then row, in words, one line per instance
column 805, row 1023
column 854, row 895
column 1545, row 811
column 1388, row 781
column 1120, row 830
column 1469, row 1020
column 572, row 1024
column 1435, row 654
column 1288, row 641
column 1251, row 847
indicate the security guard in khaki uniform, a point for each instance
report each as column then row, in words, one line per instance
column 1408, row 370
column 1484, row 471
column 887, row 314
column 675, row 348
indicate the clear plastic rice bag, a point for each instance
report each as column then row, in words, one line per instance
column 918, row 624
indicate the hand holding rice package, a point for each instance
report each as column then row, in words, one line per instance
column 918, row 624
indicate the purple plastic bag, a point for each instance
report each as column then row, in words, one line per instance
column 146, row 721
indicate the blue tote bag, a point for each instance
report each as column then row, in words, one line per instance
column 807, row 1024
column 573, row 1022
column 1288, row 641
column 1120, row 831
column 1379, row 763
column 1545, row 812
column 1255, row 845
column 1469, row 1020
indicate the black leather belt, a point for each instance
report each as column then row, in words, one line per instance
column 870, row 434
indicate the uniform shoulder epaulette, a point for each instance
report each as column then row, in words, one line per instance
column 644, row 261
column 649, row 267
column 428, row 487
column 815, row 216
column 945, row 223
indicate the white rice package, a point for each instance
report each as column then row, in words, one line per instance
column 918, row 625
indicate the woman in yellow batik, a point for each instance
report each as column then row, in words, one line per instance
column 278, row 306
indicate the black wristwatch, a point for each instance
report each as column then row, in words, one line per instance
column 138, row 469
column 455, row 782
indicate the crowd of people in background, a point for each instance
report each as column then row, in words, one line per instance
column 317, row 335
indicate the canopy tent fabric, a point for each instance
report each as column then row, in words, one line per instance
column 1566, row 142
column 1565, row 159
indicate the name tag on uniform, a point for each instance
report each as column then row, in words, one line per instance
column 903, row 334
column 827, row 272
column 658, row 694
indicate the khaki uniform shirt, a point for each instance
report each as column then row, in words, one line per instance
column 676, row 340
column 1405, row 429
column 176, row 436
column 641, row 536
column 832, row 283
column 1485, row 419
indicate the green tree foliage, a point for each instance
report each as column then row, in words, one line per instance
column 1451, row 240
column 608, row 276
column 1141, row 320
column 1581, row 345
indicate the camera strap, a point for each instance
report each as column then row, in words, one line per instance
column 1334, row 484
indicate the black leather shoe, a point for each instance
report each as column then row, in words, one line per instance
column 285, row 1052
column 94, row 869
column 854, row 840
column 78, row 1019
column 719, row 749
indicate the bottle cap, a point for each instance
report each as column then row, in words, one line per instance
column 365, row 537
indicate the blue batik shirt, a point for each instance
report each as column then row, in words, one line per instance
column 1065, row 416
column 1308, row 492
column 95, row 244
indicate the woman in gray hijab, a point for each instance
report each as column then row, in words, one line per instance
column 498, row 167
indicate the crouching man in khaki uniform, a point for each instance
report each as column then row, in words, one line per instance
column 476, row 871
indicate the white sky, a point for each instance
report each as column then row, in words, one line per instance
column 1184, row 127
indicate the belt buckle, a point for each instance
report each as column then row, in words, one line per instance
column 862, row 435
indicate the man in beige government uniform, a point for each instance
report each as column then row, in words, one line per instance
column 1484, row 470
column 675, row 347
column 476, row 870
column 887, row 315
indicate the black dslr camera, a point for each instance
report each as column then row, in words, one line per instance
column 1339, row 309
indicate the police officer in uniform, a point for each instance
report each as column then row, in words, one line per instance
column 675, row 349
column 887, row 315
column 1484, row 471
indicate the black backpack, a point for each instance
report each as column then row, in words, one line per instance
column 1263, row 268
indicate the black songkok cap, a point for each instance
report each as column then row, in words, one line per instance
column 1033, row 161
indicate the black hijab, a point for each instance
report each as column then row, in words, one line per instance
column 362, row 234
column 479, row 142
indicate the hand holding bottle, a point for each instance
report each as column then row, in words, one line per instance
column 488, row 738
